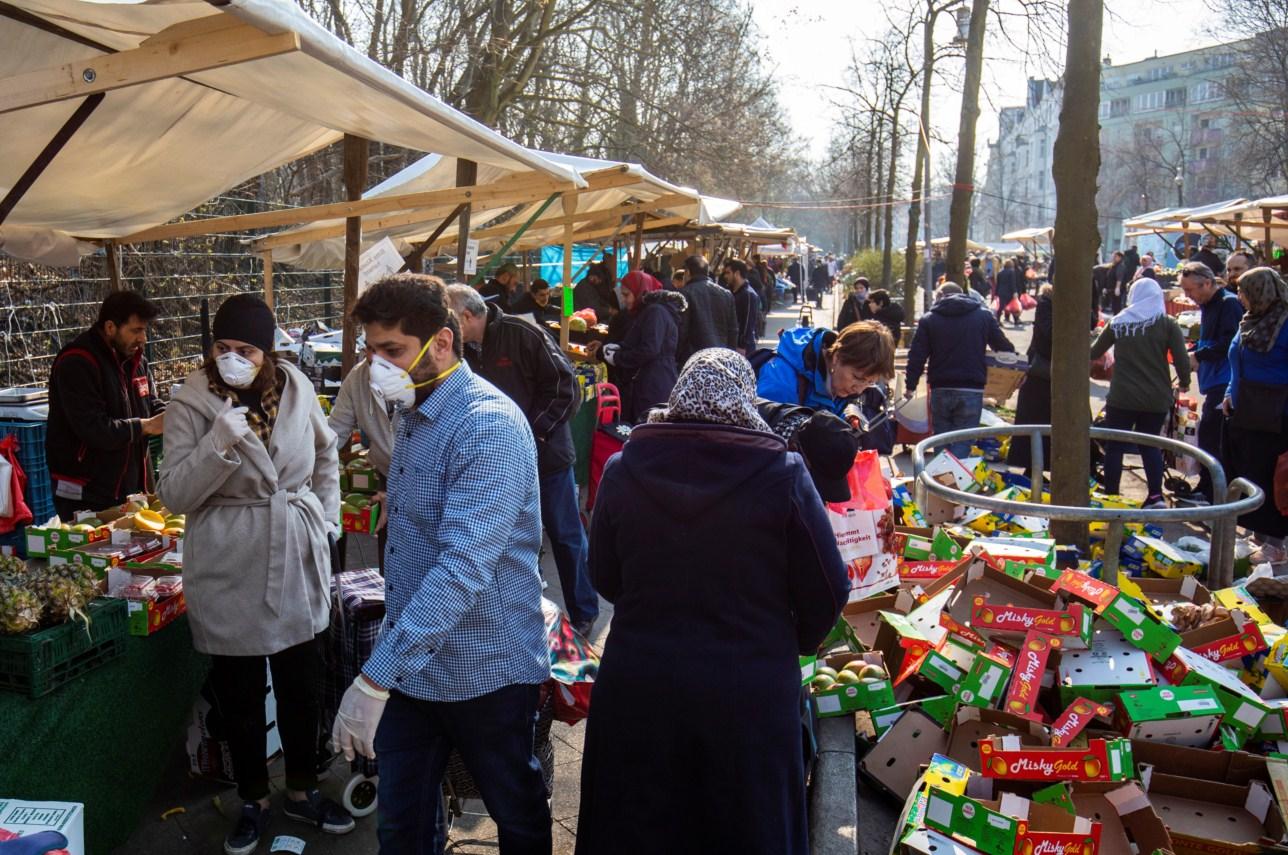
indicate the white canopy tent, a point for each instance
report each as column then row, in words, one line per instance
column 1031, row 239
column 1263, row 219
column 121, row 115
column 613, row 190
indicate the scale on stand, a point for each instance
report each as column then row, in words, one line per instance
column 24, row 403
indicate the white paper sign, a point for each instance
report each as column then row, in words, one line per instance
column 379, row 260
column 471, row 257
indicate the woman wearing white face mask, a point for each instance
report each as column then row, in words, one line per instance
column 250, row 459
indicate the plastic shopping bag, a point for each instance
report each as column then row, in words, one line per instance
column 1102, row 367
column 1028, row 302
column 864, row 528
column 1014, row 306
column 13, row 481
column 574, row 664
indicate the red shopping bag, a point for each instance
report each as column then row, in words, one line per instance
column 1014, row 306
column 13, row 484
column 1102, row 367
column 1028, row 302
column 864, row 528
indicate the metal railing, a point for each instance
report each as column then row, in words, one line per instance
column 1240, row 497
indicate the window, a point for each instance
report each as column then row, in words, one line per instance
column 1175, row 97
column 1104, row 109
column 1205, row 123
column 1149, row 101
column 1206, row 90
column 1119, row 106
column 1203, row 153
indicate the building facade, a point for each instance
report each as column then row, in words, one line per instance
column 1165, row 140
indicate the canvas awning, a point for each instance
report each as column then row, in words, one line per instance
column 942, row 243
column 614, row 190
column 1030, row 236
column 130, row 114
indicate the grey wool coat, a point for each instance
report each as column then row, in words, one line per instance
column 256, row 563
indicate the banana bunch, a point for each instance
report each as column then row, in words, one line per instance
column 1189, row 616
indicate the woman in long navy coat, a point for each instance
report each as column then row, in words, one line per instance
column 713, row 545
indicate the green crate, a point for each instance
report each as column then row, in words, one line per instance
column 38, row 662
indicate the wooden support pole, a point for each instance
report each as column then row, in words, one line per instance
column 417, row 255
column 114, row 280
column 466, row 174
column 638, row 260
column 267, row 259
column 355, row 181
column 566, row 316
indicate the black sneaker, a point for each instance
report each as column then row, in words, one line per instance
column 584, row 628
column 251, row 825
column 1194, row 499
column 320, row 812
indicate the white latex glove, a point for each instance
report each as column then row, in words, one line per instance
column 229, row 426
column 354, row 731
column 610, row 353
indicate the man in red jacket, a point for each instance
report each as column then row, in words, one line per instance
column 103, row 407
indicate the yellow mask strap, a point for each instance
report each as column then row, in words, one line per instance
column 441, row 376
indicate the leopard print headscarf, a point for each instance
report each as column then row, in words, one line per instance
column 260, row 425
column 718, row 386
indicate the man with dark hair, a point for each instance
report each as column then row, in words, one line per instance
column 978, row 283
column 1220, row 312
column 1102, row 282
column 527, row 365
column 536, row 303
column 746, row 305
column 501, row 288
column 1237, row 263
column 103, row 406
column 1127, row 268
column 711, row 320
column 460, row 663
column 595, row 291
column 1207, row 255
column 953, row 337
column 763, row 278
column 882, row 308
column 820, row 280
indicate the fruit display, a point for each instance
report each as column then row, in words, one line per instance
column 1191, row 616
column 31, row 598
column 851, row 673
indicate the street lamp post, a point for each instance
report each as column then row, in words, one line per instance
column 1180, row 188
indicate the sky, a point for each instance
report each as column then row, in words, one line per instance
column 811, row 42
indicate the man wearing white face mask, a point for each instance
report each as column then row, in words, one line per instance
column 460, row 662
column 250, row 459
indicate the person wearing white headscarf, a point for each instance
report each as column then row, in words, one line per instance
column 1140, row 391
column 711, row 542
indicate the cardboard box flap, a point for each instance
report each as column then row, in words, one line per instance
column 997, row 588
column 894, row 762
column 1213, row 812
column 1229, row 767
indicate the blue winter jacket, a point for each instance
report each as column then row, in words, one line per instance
column 953, row 335
column 1220, row 322
column 1269, row 368
column 799, row 365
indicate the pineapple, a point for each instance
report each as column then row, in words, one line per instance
column 60, row 594
column 19, row 610
column 12, row 568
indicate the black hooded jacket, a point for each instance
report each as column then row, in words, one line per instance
column 526, row 364
column 954, row 335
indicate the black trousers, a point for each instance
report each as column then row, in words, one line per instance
column 240, row 686
column 1211, row 439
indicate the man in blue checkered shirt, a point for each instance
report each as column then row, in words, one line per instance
column 463, row 652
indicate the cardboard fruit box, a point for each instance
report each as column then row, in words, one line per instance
column 1101, row 760
column 122, row 546
column 363, row 522
column 895, row 762
column 1226, row 640
column 844, row 698
column 1015, row 622
column 149, row 616
column 863, row 617
column 983, row 581
column 972, row 725
column 1110, row 666
column 23, row 818
column 1027, row 677
column 1129, row 824
column 1180, row 715
column 1208, row 818
column 1244, row 708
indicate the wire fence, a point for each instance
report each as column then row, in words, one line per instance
column 44, row 308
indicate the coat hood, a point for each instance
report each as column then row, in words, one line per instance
column 673, row 300
column 686, row 468
column 956, row 305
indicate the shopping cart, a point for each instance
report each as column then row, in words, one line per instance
column 357, row 611
column 609, row 437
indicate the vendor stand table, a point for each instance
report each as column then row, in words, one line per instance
column 104, row 739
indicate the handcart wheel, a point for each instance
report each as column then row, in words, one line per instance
column 359, row 797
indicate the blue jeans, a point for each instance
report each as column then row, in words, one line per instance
column 955, row 409
column 568, row 542
column 1150, row 455
column 494, row 734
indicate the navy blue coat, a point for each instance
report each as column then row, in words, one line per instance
column 646, row 367
column 717, row 554
column 953, row 335
column 1008, row 285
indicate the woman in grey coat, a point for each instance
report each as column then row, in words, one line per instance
column 251, row 461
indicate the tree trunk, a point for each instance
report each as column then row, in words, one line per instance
column 887, row 244
column 1075, row 168
column 963, row 186
column 910, row 282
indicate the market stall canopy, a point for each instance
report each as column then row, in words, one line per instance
column 1185, row 219
column 942, row 243
column 614, row 190
column 120, row 115
column 1030, row 236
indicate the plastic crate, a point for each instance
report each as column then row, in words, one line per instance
column 31, row 457
column 37, row 663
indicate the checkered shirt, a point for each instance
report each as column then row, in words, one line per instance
column 462, row 587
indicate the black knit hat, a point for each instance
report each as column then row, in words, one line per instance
column 245, row 317
column 829, row 447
